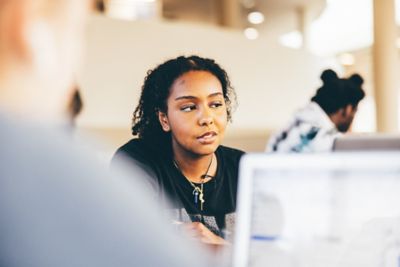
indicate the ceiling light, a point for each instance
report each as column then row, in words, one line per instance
column 255, row 17
column 251, row 33
column 292, row 39
column 131, row 9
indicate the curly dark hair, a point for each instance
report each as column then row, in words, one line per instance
column 156, row 89
column 336, row 93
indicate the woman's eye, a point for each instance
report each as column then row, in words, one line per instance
column 188, row 108
column 216, row 104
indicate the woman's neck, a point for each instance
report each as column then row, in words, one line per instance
column 195, row 167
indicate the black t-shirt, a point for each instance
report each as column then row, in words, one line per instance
column 219, row 207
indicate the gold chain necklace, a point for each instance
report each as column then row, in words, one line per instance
column 198, row 192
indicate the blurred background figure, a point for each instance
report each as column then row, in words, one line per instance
column 328, row 115
column 57, row 206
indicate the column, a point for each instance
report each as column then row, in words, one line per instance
column 385, row 60
column 229, row 13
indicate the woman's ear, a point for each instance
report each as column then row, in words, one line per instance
column 162, row 117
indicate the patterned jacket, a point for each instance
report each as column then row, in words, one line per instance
column 311, row 130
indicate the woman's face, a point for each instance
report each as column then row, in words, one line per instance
column 197, row 114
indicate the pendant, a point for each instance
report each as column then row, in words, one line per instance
column 201, row 197
column 196, row 195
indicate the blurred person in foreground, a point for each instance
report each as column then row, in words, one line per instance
column 328, row 115
column 58, row 208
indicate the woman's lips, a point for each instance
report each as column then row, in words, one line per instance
column 207, row 138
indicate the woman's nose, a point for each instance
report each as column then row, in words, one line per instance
column 205, row 118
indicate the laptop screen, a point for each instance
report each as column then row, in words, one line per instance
column 319, row 210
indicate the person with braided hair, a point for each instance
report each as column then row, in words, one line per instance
column 179, row 124
column 328, row 115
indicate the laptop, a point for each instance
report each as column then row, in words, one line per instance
column 318, row 210
column 367, row 143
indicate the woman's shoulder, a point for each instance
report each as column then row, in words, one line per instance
column 230, row 153
column 229, row 159
column 136, row 148
column 230, row 150
column 134, row 144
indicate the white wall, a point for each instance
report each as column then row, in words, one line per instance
column 271, row 81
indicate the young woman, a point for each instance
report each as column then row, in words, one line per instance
column 180, row 122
